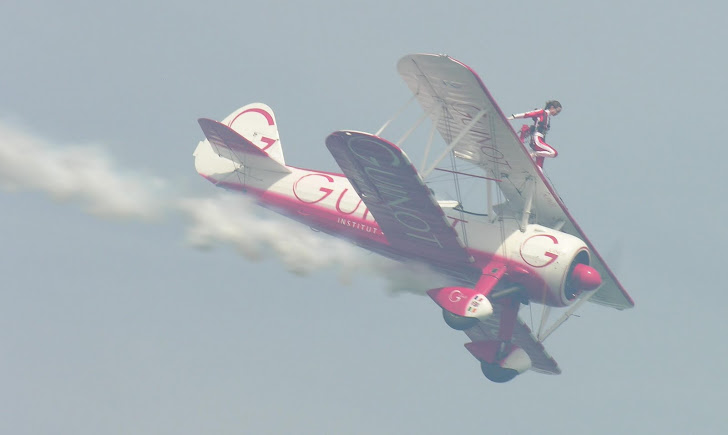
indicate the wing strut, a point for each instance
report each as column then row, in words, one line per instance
column 396, row 115
column 526, row 214
column 489, row 192
column 413, row 128
column 455, row 142
column 545, row 311
column 431, row 139
column 565, row 317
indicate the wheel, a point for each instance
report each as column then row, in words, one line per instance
column 459, row 323
column 496, row 373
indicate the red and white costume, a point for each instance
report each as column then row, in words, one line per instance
column 542, row 124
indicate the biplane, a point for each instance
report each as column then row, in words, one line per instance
column 523, row 247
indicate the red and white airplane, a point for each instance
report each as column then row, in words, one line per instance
column 525, row 249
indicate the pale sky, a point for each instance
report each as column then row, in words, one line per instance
column 116, row 325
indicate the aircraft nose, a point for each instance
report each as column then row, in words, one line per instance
column 585, row 277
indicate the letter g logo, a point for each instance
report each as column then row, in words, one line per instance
column 456, row 296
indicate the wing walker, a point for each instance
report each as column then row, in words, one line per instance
column 523, row 248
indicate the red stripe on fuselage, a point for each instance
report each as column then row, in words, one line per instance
column 366, row 233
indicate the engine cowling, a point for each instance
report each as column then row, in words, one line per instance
column 558, row 265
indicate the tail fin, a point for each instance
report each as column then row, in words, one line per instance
column 256, row 123
column 247, row 138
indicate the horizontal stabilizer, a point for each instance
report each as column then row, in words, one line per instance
column 229, row 144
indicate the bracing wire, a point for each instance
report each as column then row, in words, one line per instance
column 458, row 195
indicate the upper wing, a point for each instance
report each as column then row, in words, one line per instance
column 395, row 194
column 456, row 99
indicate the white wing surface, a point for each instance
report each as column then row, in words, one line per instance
column 466, row 114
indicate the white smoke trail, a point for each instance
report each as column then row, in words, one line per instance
column 229, row 219
column 74, row 173
column 87, row 175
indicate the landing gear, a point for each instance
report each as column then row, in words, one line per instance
column 496, row 373
column 463, row 308
column 500, row 358
column 459, row 323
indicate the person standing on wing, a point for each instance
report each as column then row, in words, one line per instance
column 542, row 120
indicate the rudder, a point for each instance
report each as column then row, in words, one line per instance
column 257, row 123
